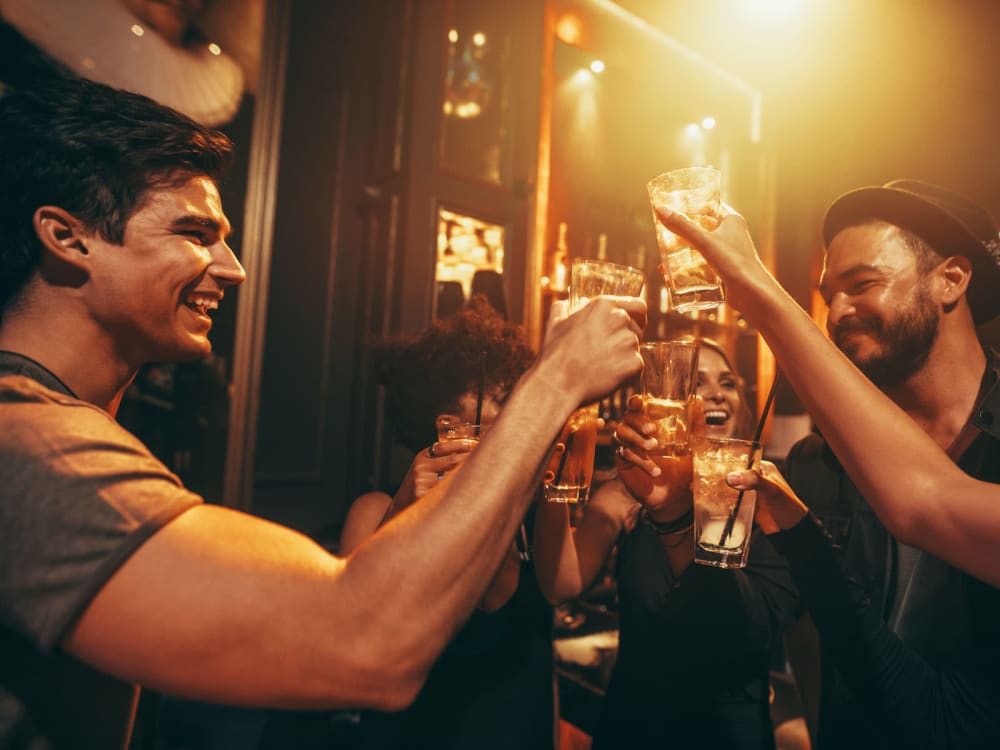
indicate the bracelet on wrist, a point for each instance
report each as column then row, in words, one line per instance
column 677, row 526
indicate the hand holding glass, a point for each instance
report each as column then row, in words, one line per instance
column 592, row 278
column 571, row 464
column 723, row 516
column 697, row 192
column 669, row 384
column 451, row 427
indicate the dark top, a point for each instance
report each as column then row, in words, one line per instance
column 694, row 652
column 491, row 688
column 908, row 648
column 907, row 661
column 78, row 496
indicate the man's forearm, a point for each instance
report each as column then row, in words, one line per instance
column 434, row 561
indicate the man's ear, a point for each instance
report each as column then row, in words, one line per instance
column 956, row 273
column 62, row 236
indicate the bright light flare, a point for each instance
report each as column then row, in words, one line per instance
column 479, row 39
column 708, row 123
column 597, row 66
column 773, row 11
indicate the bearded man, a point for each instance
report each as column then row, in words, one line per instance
column 904, row 652
column 907, row 663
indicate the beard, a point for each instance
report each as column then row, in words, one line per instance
column 905, row 342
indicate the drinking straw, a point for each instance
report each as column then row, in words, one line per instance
column 730, row 522
column 480, row 390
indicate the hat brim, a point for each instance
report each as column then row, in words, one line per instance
column 928, row 221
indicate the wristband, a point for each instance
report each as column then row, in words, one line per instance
column 677, row 526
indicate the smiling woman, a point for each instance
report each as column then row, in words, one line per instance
column 721, row 389
column 639, row 518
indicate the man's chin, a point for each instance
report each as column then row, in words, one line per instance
column 854, row 351
column 193, row 350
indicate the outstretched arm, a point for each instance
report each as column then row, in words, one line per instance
column 917, row 491
column 223, row 606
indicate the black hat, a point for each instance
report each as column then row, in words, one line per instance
column 948, row 222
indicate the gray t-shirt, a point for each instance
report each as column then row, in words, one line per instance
column 78, row 495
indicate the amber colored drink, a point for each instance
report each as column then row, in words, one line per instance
column 571, row 463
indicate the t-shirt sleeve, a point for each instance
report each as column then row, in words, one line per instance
column 78, row 495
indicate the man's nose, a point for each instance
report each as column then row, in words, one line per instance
column 840, row 307
column 226, row 268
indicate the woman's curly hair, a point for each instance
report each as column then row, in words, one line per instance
column 426, row 375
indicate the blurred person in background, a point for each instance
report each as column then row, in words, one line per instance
column 493, row 684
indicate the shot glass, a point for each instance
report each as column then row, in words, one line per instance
column 696, row 191
column 723, row 516
column 450, row 427
column 571, row 464
column 592, row 278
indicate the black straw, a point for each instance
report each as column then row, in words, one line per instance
column 731, row 521
column 479, row 392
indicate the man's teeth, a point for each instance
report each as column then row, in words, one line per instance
column 203, row 304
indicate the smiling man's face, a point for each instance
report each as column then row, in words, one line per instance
column 881, row 311
column 153, row 293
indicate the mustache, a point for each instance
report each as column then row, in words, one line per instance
column 854, row 325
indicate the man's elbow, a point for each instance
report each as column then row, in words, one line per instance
column 390, row 685
column 398, row 695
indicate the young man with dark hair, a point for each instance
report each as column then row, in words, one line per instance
column 114, row 254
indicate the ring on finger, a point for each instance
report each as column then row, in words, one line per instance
column 440, row 475
column 431, row 452
column 620, row 450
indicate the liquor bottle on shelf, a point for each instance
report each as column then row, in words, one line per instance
column 560, row 262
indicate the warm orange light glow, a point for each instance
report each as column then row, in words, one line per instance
column 569, row 29
column 597, row 66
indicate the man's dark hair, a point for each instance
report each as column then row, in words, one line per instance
column 94, row 151
column 926, row 256
column 426, row 375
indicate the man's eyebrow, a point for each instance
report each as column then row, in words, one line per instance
column 203, row 222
